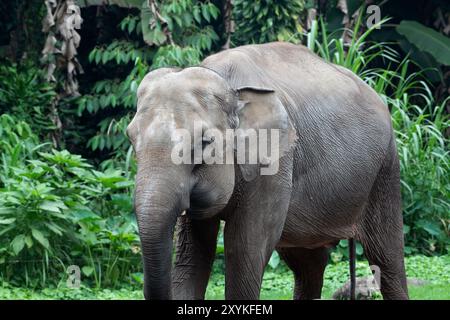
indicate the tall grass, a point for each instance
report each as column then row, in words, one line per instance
column 419, row 123
column 356, row 54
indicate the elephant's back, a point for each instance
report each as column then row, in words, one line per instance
column 307, row 85
column 335, row 114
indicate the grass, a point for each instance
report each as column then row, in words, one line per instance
column 430, row 292
column 277, row 285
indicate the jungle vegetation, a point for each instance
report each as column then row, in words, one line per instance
column 69, row 70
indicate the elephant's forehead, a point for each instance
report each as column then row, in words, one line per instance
column 182, row 86
column 186, row 105
column 162, row 126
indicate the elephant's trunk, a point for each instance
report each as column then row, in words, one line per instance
column 158, row 204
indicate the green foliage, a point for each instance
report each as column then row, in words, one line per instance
column 276, row 285
column 120, row 52
column 264, row 21
column 54, row 207
column 420, row 124
column 356, row 55
column 117, row 94
column 179, row 33
column 183, row 22
column 24, row 93
column 424, row 160
column 341, row 251
column 173, row 55
column 17, row 141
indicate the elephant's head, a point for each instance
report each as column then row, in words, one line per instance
column 192, row 99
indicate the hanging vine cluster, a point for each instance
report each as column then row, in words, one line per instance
column 60, row 23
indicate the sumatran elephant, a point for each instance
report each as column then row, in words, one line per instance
column 337, row 173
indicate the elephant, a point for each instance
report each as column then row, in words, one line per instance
column 337, row 173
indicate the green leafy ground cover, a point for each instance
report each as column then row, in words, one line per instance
column 277, row 284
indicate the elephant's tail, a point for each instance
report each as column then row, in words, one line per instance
column 352, row 263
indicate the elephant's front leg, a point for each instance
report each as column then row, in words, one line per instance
column 195, row 251
column 251, row 234
column 248, row 247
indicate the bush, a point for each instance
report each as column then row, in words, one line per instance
column 56, row 210
column 24, row 93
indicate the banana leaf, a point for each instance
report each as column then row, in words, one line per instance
column 427, row 40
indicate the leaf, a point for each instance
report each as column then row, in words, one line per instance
column 274, row 260
column 53, row 227
column 124, row 184
column 85, row 214
column 431, row 227
column 87, row 270
column 29, row 241
column 214, row 11
column 343, row 243
column 196, row 14
column 7, row 221
column 359, row 249
column 5, row 230
column 406, row 229
column 131, row 25
column 18, row 243
column 105, row 57
column 52, row 206
column 91, row 56
column 40, row 238
column 426, row 39
column 138, row 277
column 426, row 61
column 98, row 56
column 205, row 13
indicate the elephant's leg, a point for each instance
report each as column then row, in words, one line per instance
column 253, row 229
column 308, row 266
column 247, row 252
column 195, row 251
column 381, row 232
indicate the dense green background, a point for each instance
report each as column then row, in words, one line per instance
column 67, row 168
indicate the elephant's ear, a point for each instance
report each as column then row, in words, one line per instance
column 261, row 111
column 151, row 78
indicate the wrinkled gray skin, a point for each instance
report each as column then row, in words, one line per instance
column 338, row 178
